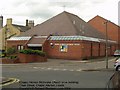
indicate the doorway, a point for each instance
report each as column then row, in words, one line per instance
column 35, row 48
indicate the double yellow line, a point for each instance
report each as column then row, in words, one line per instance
column 9, row 81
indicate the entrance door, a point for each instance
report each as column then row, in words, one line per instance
column 35, row 48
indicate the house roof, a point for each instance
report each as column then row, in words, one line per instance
column 64, row 24
column 21, row 28
column 19, row 38
column 69, row 38
column 103, row 19
column 37, row 41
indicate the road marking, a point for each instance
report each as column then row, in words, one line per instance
column 35, row 67
column 14, row 80
column 79, row 70
column 56, row 69
column 64, row 69
column 42, row 68
column 49, row 68
column 71, row 70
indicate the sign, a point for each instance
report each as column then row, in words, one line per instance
column 64, row 48
column 70, row 44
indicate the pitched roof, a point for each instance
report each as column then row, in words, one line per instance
column 64, row 24
column 37, row 41
column 21, row 28
column 19, row 38
column 103, row 19
column 68, row 38
column 113, row 29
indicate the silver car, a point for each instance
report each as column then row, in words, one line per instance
column 117, row 64
column 117, row 53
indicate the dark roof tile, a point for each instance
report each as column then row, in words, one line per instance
column 64, row 24
column 21, row 28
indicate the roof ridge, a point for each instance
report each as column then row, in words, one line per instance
column 19, row 25
column 78, row 32
column 103, row 19
column 64, row 23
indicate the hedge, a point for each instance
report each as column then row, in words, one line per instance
column 34, row 52
column 11, row 51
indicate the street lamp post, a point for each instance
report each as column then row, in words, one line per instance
column 106, row 43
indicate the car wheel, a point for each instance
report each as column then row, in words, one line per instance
column 118, row 68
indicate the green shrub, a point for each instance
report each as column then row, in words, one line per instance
column 12, row 57
column 11, row 51
column 34, row 52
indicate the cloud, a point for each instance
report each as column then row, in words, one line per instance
column 98, row 1
column 45, row 9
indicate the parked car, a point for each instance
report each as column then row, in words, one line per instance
column 117, row 53
column 117, row 64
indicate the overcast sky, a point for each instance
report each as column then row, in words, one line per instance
column 41, row 10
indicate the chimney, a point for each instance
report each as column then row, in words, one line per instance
column 31, row 23
column 9, row 21
column 1, row 21
column 26, row 22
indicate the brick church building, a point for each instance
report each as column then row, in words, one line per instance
column 66, row 36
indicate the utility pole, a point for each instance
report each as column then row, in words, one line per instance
column 106, row 43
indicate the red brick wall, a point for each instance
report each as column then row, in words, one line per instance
column 98, row 23
column 74, row 51
column 102, row 49
column 95, row 49
column 119, row 37
column 82, row 51
column 85, row 50
column 113, row 48
column 16, row 43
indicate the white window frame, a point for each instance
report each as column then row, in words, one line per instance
column 20, row 47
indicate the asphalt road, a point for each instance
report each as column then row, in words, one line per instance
column 82, row 79
column 59, row 74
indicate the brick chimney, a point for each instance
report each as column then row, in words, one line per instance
column 1, row 21
column 9, row 21
column 31, row 23
column 26, row 22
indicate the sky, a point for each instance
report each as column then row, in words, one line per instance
column 42, row 10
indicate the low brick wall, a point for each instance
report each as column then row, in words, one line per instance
column 27, row 58
column 41, row 59
column 22, row 58
column 8, row 61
